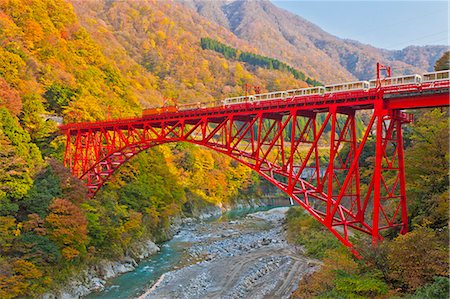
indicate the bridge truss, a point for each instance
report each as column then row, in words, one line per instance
column 356, row 178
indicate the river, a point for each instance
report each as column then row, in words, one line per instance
column 243, row 254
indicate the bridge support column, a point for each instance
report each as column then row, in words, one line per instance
column 330, row 170
column 402, row 178
column 388, row 183
column 379, row 152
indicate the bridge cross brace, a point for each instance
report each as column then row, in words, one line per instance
column 319, row 158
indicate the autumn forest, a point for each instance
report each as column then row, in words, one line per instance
column 96, row 60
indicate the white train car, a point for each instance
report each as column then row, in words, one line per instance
column 359, row 85
column 283, row 95
column 271, row 96
column 318, row 90
column 436, row 76
column 400, row 80
column 238, row 100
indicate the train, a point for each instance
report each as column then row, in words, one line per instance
column 414, row 79
column 159, row 110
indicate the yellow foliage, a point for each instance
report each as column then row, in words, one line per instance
column 11, row 66
column 26, row 269
column 69, row 253
column 8, row 231
column 21, row 281
column 161, row 35
column 224, row 65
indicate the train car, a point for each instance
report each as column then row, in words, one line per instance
column 359, row 85
column 318, row 90
column 159, row 110
column 436, row 76
column 271, row 96
column 238, row 100
column 400, row 80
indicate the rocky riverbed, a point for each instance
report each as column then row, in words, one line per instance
column 243, row 258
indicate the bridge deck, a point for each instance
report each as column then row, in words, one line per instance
column 395, row 98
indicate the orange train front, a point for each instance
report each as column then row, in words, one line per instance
column 159, row 110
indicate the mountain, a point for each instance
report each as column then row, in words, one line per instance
column 286, row 36
column 89, row 60
column 164, row 40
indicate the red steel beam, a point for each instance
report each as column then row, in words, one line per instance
column 416, row 102
column 94, row 151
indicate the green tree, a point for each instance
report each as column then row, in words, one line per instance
column 21, row 140
column 46, row 187
column 426, row 165
column 254, row 59
column 39, row 250
column 439, row 289
column 58, row 97
column 15, row 180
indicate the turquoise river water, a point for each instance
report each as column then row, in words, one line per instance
column 171, row 256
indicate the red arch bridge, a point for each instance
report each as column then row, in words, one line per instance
column 314, row 148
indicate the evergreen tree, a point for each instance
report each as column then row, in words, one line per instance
column 254, row 59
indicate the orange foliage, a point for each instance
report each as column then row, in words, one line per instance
column 19, row 280
column 35, row 224
column 9, row 98
column 67, row 226
column 70, row 253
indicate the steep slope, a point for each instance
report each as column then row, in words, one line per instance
column 54, row 65
column 164, row 38
column 284, row 35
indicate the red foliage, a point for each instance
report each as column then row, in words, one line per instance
column 9, row 98
column 35, row 224
column 73, row 188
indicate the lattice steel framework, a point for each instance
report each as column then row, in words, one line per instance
column 310, row 148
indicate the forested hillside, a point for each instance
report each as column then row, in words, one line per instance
column 93, row 60
column 280, row 34
column 164, row 38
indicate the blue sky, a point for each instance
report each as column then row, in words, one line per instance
column 384, row 24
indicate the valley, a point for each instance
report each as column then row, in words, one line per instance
column 75, row 61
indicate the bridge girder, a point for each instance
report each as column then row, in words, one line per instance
column 318, row 158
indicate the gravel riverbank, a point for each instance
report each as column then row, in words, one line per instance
column 245, row 258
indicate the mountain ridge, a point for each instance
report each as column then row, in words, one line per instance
column 309, row 47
